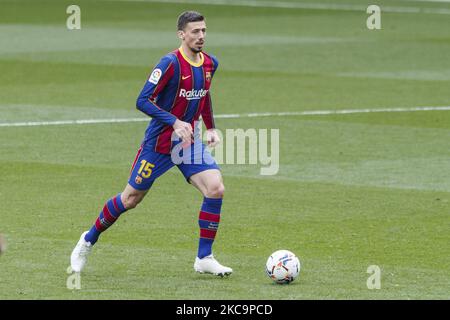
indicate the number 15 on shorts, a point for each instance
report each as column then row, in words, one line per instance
column 146, row 169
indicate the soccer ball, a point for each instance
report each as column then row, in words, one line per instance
column 283, row 266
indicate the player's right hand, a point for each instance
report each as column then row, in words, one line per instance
column 184, row 131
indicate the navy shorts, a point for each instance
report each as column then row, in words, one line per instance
column 149, row 164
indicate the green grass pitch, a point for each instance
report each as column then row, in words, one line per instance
column 353, row 190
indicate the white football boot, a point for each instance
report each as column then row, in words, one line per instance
column 209, row 264
column 80, row 253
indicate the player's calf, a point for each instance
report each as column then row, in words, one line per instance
column 111, row 211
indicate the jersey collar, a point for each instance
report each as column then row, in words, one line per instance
column 192, row 63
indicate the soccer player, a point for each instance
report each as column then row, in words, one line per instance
column 175, row 95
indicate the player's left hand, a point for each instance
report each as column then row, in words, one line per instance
column 212, row 137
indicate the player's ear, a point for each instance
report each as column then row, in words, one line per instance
column 180, row 34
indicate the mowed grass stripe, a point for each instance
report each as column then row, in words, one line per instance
column 344, row 149
column 29, row 39
column 301, row 5
column 229, row 116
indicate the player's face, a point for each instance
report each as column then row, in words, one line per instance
column 194, row 35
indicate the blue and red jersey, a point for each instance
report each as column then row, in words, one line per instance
column 177, row 88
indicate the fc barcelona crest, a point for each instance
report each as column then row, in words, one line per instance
column 138, row 180
column 208, row 76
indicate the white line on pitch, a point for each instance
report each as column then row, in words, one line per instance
column 228, row 116
column 302, row 5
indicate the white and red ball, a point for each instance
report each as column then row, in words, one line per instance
column 283, row 266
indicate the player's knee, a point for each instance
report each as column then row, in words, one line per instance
column 131, row 201
column 216, row 190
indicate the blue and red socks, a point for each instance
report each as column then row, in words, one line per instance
column 111, row 211
column 208, row 221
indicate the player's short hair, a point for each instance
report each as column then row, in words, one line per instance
column 188, row 16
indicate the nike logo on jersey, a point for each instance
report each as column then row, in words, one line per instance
column 185, row 77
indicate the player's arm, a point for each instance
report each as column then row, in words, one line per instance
column 208, row 115
column 212, row 136
column 146, row 102
column 207, row 111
